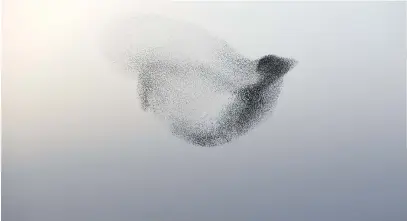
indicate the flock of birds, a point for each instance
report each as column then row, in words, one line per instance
column 208, row 93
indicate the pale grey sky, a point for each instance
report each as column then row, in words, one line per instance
column 76, row 145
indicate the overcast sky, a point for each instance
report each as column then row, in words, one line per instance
column 77, row 146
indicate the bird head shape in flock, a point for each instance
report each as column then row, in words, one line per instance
column 208, row 93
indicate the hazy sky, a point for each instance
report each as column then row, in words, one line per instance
column 76, row 145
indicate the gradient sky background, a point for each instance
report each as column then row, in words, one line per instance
column 77, row 147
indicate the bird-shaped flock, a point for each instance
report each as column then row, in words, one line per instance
column 208, row 93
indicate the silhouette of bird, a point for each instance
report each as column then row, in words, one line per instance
column 207, row 91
